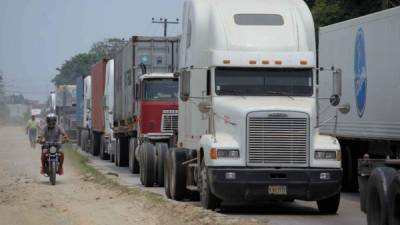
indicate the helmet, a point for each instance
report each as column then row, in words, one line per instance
column 51, row 120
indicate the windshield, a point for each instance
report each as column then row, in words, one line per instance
column 160, row 89
column 263, row 82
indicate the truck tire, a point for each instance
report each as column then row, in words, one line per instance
column 329, row 205
column 167, row 174
column 161, row 151
column 122, row 153
column 208, row 199
column 103, row 146
column 147, row 164
column 349, row 166
column 178, row 175
column 363, row 182
column 133, row 163
column 394, row 196
column 95, row 144
column 378, row 196
column 83, row 140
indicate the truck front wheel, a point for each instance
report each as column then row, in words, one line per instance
column 377, row 195
column 329, row 205
column 103, row 146
column 133, row 163
column 147, row 167
column 394, row 193
column 161, row 151
column 178, row 175
column 208, row 200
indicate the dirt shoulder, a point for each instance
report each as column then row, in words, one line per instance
column 83, row 196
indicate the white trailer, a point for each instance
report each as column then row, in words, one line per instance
column 108, row 143
column 87, row 118
column 367, row 50
column 247, row 109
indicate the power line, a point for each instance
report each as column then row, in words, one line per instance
column 165, row 22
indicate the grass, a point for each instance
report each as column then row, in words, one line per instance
column 81, row 163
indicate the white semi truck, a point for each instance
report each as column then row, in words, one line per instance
column 367, row 49
column 248, row 107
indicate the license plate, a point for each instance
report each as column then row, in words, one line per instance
column 277, row 190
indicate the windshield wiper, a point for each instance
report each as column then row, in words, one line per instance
column 236, row 93
column 279, row 93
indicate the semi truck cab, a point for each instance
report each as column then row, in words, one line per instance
column 248, row 127
column 158, row 115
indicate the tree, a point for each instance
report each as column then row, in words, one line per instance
column 79, row 65
column 326, row 12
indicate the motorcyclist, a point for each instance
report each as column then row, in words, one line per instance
column 52, row 133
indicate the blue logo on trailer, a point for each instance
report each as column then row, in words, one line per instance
column 360, row 71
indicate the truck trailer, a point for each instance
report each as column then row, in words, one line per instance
column 65, row 109
column 86, row 122
column 247, row 126
column 107, row 142
column 145, row 104
column 98, row 74
column 367, row 50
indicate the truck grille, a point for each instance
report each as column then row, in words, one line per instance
column 169, row 121
column 278, row 140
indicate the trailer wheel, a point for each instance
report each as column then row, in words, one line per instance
column 83, row 140
column 349, row 165
column 103, row 145
column 208, row 199
column 147, row 168
column 167, row 173
column 122, row 153
column 178, row 174
column 133, row 163
column 378, row 197
column 329, row 205
column 95, row 144
column 394, row 193
column 363, row 182
column 161, row 150
column 116, row 161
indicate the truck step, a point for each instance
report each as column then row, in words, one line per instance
column 192, row 188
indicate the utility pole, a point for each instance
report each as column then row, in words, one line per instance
column 165, row 22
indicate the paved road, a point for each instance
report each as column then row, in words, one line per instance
column 297, row 213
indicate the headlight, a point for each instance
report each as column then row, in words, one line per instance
column 228, row 153
column 327, row 155
column 53, row 150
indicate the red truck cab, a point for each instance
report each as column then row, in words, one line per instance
column 158, row 105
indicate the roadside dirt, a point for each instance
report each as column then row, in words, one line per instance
column 27, row 198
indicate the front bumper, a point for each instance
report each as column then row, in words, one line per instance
column 251, row 184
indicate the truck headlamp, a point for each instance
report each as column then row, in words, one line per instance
column 326, row 155
column 228, row 153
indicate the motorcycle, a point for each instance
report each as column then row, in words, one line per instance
column 52, row 160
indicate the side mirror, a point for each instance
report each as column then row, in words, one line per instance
column 204, row 107
column 344, row 109
column 337, row 82
column 334, row 100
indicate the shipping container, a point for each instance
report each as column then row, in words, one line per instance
column 367, row 51
column 98, row 73
column 142, row 55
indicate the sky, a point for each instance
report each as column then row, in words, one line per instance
column 37, row 36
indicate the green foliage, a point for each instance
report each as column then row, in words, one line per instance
column 326, row 13
column 79, row 65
